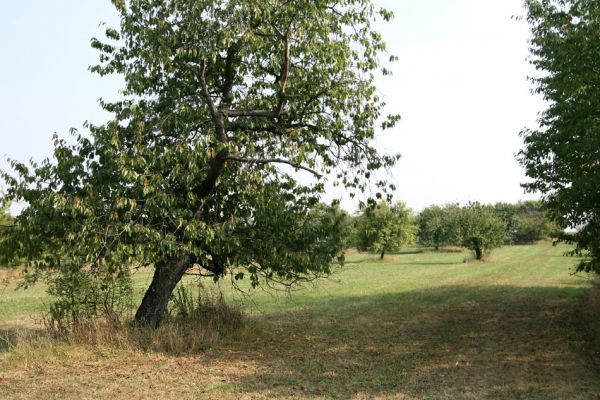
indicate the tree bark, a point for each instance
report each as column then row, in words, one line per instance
column 167, row 275
column 478, row 253
column 382, row 254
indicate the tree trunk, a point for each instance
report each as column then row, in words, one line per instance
column 478, row 253
column 168, row 273
column 166, row 276
column 382, row 254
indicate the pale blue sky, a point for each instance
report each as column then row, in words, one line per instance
column 460, row 85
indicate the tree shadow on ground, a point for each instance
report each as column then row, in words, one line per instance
column 454, row 342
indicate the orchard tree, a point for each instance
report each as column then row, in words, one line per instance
column 561, row 156
column 430, row 224
column 531, row 223
column 526, row 221
column 385, row 228
column 437, row 225
column 226, row 104
column 478, row 229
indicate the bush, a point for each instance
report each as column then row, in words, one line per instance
column 82, row 294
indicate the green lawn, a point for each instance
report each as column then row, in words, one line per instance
column 417, row 325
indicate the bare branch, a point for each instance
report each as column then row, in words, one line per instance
column 273, row 161
column 229, row 74
column 216, row 116
column 285, row 72
column 249, row 113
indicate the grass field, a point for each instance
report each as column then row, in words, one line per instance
column 418, row 325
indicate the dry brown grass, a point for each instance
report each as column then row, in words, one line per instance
column 494, row 343
column 10, row 276
column 591, row 314
column 194, row 324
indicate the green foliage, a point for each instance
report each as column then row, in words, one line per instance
column 226, row 103
column 385, row 228
column 5, row 218
column 561, row 157
column 430, row 226
column 437, row 226
column 6, row 225
column 526, row 221
column 478, row 228
column 81, row 294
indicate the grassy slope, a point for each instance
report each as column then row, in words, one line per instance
column 416, row 326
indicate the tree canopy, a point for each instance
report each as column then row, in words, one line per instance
column 478, row 228
column 226, row 103
column 434, row 226
column 526, row 221
column 561, row 156
column 385, row 228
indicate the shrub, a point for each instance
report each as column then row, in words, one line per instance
column 85, row 294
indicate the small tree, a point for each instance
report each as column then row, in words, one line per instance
column 385, row 228
column 430, row 223
column 437, row 225
column 479, row 229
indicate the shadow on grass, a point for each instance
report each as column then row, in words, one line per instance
column 454, row 342
column 375, row 258
column 433, row 263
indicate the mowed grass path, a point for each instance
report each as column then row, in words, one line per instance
column 415, row 326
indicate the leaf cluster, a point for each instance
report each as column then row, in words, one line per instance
column 561, row 156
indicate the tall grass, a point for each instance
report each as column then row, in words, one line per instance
column 197, row 320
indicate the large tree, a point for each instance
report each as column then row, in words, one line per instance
column 385, row 228
column 562, row 156
column 227, row 103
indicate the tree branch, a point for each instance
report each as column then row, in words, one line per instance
column 274, row 160
column 249, row 113
column 285, row 72
column 216, row 116
column 229, row 74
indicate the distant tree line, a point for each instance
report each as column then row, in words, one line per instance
column 480, row 228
